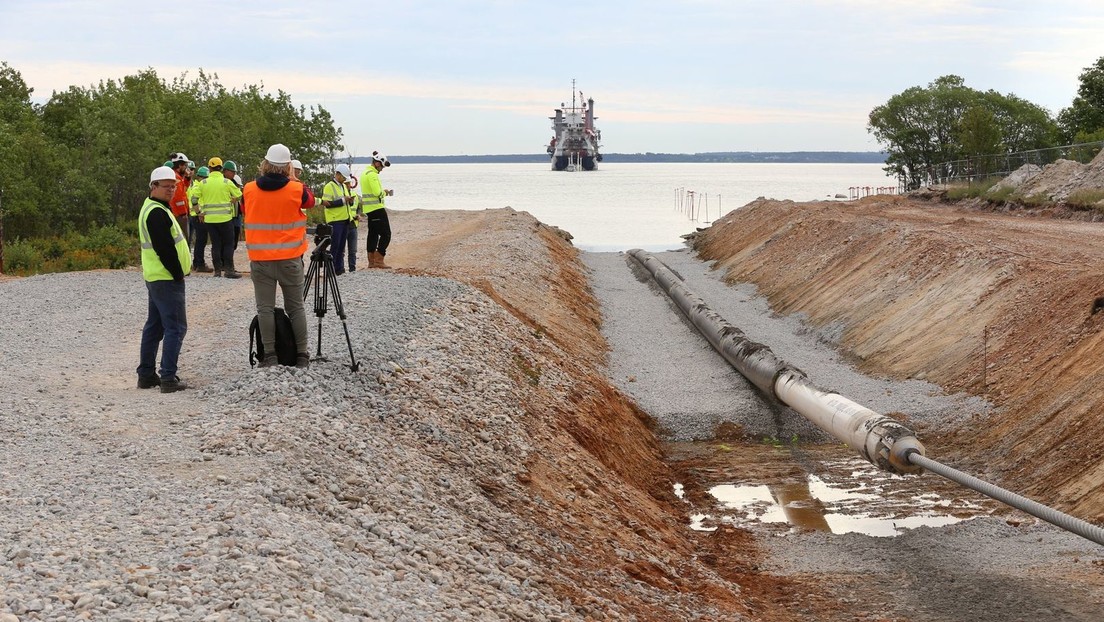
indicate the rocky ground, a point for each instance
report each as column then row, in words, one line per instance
column 481, row 464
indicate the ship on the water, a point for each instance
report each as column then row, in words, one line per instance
column 575, row 140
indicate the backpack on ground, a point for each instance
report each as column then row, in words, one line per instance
column 285, row 340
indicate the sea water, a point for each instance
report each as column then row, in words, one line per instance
column 622, row 205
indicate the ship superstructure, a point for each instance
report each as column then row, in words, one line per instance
column 575, row 140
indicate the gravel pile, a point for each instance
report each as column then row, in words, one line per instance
column 263, row 494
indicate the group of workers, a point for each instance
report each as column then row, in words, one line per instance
column 187, row 206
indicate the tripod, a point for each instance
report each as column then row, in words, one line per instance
column 322, row 279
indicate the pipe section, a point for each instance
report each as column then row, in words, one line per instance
column 881, row 440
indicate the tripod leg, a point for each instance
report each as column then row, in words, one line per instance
column 340, row 308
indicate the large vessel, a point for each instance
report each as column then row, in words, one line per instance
column 575, row 140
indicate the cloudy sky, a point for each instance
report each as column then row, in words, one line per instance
column 450, row 77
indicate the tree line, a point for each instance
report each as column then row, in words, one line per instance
column 923, row 127
column 82, row 160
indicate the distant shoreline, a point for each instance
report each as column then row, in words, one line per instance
column 775, row 157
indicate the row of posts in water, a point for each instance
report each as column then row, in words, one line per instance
column 695, row 205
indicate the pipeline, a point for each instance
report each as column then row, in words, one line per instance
column 881, row 440
column 877, row 438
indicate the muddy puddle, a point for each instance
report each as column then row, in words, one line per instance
column 784, row 488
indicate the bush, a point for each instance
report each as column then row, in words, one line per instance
column 104, row 247
column 21, row 257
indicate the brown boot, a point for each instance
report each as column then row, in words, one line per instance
column 379, row 263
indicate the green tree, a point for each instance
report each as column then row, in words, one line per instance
column 1086, row 113
column 923, row 128
column 25, row 153
column 97, row 144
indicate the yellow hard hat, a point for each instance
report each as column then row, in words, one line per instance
column 215, row 161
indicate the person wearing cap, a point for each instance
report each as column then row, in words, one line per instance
column 276, row 239
column 338, row 200
column 165, row 262
column 372, row 197
column 198, row 230
column 217, row 198
column 179, row 202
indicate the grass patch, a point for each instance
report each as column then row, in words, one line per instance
column 972, row 190
column 1087, row 199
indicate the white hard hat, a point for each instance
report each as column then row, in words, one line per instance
column 278, row 154
column 297, row 165
column 382, row 159
column 162, row 173
column 178, row 157
column 344, row 170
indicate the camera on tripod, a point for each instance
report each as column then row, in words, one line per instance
column 322, row 232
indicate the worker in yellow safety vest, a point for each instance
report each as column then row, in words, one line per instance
column 372, row 197
column 218, row 198
column 338, row 201
column 166, row 260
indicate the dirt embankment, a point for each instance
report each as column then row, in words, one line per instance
column 995, row 304
column 604, row 484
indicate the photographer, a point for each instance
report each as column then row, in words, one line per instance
column 276, row 239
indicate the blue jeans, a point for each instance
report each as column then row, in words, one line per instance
column 199, row 244
column 167, row 322
column 351, row 236
column 340, row 231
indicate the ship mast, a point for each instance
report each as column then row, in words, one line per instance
column 573, row 95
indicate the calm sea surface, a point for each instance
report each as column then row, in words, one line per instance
column 620, row 206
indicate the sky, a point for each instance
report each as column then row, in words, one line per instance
column 467, row 77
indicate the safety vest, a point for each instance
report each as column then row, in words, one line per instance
column 179, row 202
column 193, row 196
column 152, row 268
column 216, row 196
column 275, row 226
column 332, row 191
column 372, row 197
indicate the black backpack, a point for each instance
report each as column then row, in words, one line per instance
column 285, row 340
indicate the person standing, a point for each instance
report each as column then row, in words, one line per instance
column 297, row 175
column 355, row 216
column 372, row 198
column 276, row 239
column 218, row 197
column 197, row 230
column 179, row 204
column 337, row 199
column 165, row 263
column 230, row 171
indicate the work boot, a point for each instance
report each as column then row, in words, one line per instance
column 380, row 263
column 217, row 273
column 172, row 385
column 148, row 382
column 202, row 268
column 269, row 360
column 302, row 360
column 232, row 274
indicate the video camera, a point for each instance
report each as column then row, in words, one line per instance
column 322, row 237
